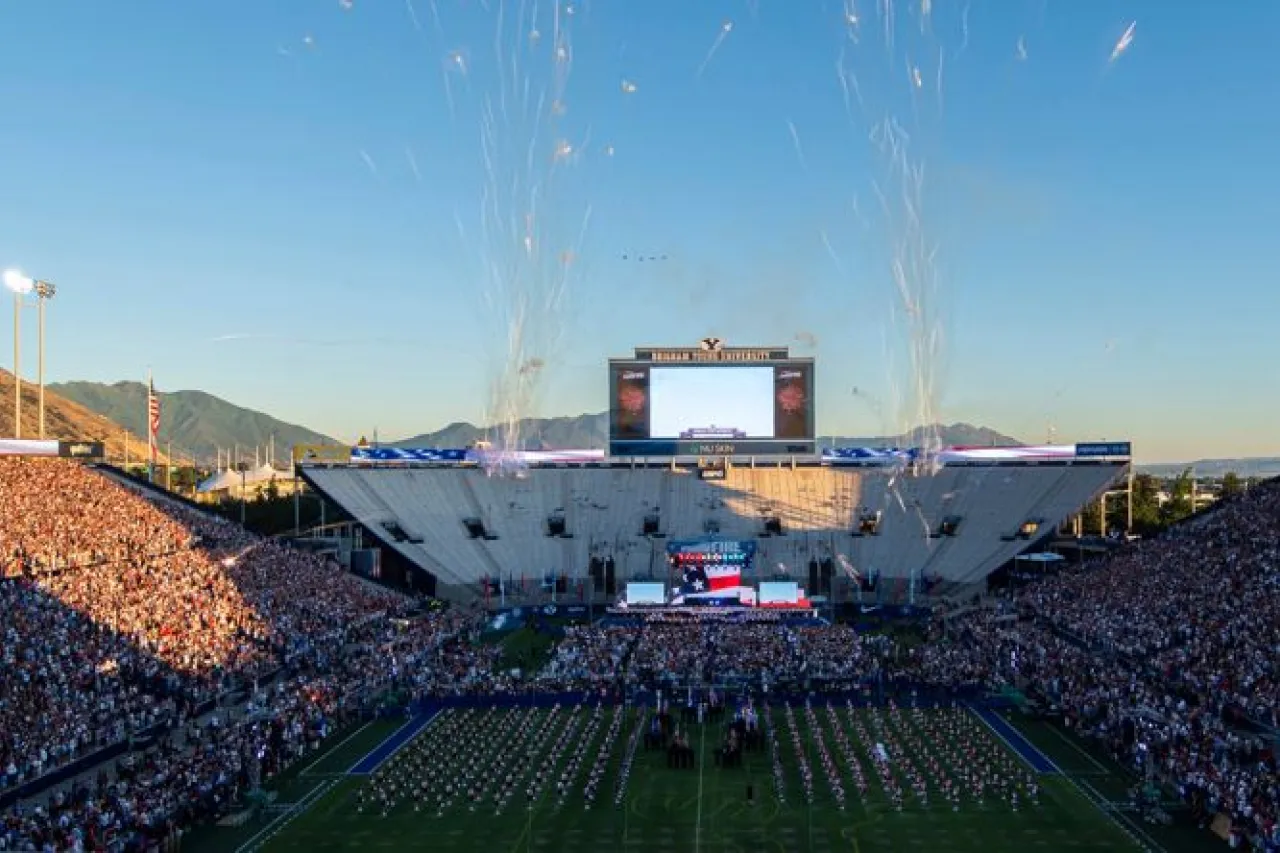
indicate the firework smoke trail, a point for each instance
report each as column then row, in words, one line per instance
column 531, row 230
column 795, row 143
column 1123, row 44
column 725, row 29
column 895, row 114
column 413, row 164
column 890, row 72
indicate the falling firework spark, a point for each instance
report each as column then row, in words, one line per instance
column 795, row 143
column 725, row 29
column 1123, row 44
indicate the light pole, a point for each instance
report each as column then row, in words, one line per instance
column 45, row 291
column 243, row 468
column 21, row 285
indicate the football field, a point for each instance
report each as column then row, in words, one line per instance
column 824, row 778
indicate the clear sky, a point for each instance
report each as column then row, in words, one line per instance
column 290, row 205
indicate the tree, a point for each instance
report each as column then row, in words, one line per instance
column 1146, row 505
column 1180, row 504
column 1146, row 508
column 271, row 493
column 1231, row 484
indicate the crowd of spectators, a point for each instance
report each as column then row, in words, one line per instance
column 124, row 613
column 1169, row 653
column 685, row 650
column 588, row 655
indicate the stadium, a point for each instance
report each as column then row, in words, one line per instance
column 740, row 641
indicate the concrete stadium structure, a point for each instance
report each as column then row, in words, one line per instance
column 462, row 523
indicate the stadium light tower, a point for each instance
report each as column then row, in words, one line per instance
column 20, row 285
column 44, row 291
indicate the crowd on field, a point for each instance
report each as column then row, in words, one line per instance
column 125, row 615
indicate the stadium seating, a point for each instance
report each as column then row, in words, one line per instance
column 604, row 509
column 125, row 615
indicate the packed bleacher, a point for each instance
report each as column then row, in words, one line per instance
column 1170, row 654
column 126, row 615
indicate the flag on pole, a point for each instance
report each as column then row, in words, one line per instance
column 153, row 425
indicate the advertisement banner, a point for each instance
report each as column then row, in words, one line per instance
column 1095, row 449
column 81, row 449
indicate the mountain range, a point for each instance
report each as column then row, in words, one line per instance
column 1262, row 466
column 591, row 432
column 66, row 420
column 201, row 424
column 198, row 423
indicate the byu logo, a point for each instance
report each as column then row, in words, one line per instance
column 711, row 344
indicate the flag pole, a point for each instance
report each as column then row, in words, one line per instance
column 151, row 435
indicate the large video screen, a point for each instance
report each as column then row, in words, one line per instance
column 711, row 409
column 718, row 402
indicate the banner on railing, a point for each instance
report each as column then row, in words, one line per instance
column 22, row 447
column 42, row 447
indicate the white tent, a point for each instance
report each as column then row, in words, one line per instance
column 252, row 479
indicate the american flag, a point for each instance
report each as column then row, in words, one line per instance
column 701, row 579
column 153, row 418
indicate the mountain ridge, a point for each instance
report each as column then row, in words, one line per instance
column 198, row 422
column 590, row 431
column 1245, row 466
column 67, row 420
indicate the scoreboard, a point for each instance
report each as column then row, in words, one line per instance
column 711, row 400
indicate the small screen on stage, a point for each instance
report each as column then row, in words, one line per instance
column 778, row 592
column 646, row 593
column 659, row 409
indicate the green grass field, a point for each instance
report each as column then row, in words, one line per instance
column 702, row 808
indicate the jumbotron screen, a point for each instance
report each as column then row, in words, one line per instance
column 711, row 403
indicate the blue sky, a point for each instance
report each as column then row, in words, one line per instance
column 226, row 193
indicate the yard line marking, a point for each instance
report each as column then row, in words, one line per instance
column 286, row 817
column 1101, row 768
column 337, row 746
column 702, row 765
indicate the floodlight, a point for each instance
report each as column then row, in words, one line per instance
column 17, row 282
